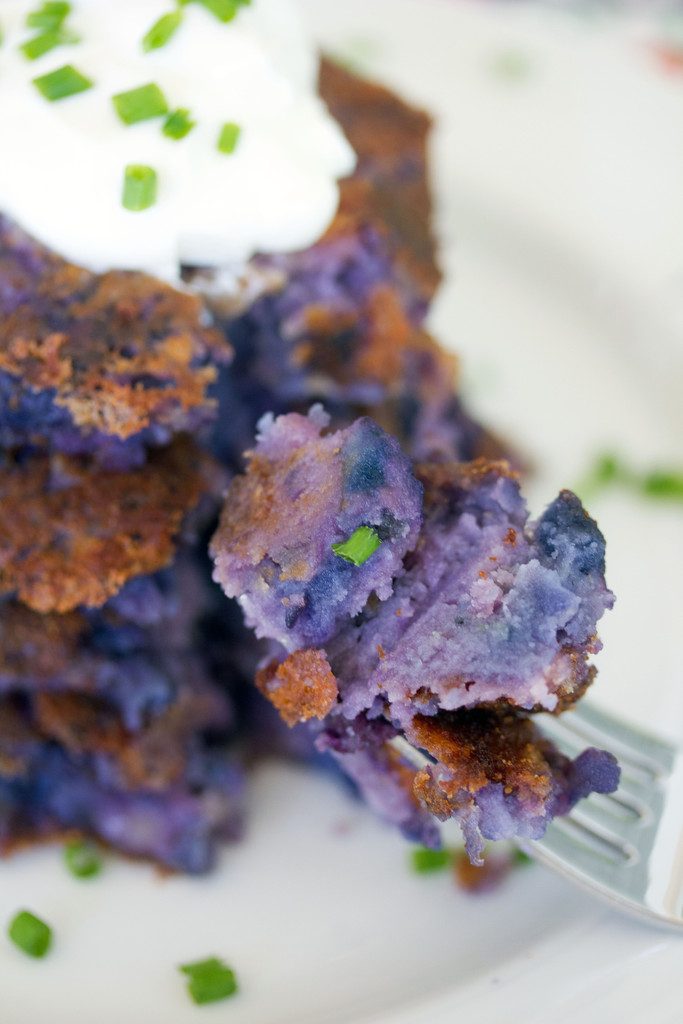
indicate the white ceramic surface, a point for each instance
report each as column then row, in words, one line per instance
column 562, row 219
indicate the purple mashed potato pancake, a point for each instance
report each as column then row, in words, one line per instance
column 483, row 609
column 46, row 792
column 112, row 724
column 98, row 364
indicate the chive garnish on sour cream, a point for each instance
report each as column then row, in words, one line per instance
column 228, row 138
column 30, row 934
column 224, row 10
column 362, row 543
column 50, row 16
column 34, row 48
column 141, row 104
column 162, row 31
column 64, row 82
column 139, row 187
column 178, row 124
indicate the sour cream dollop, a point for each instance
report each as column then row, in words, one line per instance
column 62, row 163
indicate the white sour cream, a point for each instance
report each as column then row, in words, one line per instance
column 62, row 163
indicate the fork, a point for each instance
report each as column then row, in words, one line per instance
column 626, row 848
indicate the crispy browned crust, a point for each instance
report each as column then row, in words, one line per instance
column 80, row 723
column 379, row 124
column 153, row 758
column 16, row 737
column 390, row 139
column 128, row 350
column 37, row 647
column 301, row 688
column 385, row 346
column 479, row 747
column 441, row 478
column 70, row 535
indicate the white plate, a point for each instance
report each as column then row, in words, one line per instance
column 562, row 219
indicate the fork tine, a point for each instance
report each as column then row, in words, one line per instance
column 638, row 747
column 618, row 811
column 565, row 843
column 623, row 838
column 638, row 767
column 626, row 847
column 639, row 795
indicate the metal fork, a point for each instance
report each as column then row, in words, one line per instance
column 626, row 848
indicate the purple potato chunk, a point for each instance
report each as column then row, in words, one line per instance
column 304, row 493
column 488, row 617
column 492, row 770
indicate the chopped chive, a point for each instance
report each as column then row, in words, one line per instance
column 228, row 138
column 224, row 10
column 178, row 124
column 141, row 104
column 162, row 31
column 663, row 484
column 139, row 187
column 521, row 859
column 46, row 41
column 63, row 82
column 82, row 859
column 609, row 470
column 209, row 980
column 30, row 934
column 362, row 543
column 49, row 16
column 426, row 862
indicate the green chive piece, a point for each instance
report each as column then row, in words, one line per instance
column 224, row 10
column 178, row 124
column 141, row 104
column 82, row 859
column 162, row 31
column 49, row 16
column 362, row 543
column 609, row 470
column 139, row 187
column 663, row 484
column 30, row 934
column 228, row 138
column 427, row 862
column 46, row 41
column 209, row 980
column 63, row 82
